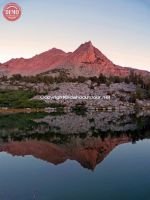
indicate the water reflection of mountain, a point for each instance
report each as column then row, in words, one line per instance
column 88, row 152
column 43, row 136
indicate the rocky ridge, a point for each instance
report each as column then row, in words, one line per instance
column 84, row 61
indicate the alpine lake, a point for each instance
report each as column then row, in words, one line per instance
column 72, row 156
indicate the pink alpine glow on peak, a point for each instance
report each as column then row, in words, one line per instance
column 85, row 60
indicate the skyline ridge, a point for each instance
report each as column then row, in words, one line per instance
column 86, row 60
column 87, row 44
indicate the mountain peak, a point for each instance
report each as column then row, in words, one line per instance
column 89, row 43
column 86, row 45
column 86, row 53
column 86, row 60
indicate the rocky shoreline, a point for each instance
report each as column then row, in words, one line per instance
column 123, row 97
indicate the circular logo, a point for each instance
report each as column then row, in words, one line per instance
column 12, row 11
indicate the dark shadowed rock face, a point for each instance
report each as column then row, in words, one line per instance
column 84, row 61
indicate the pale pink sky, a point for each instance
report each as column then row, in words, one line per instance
column 120, row 29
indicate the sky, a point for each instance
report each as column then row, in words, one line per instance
column 119, row 28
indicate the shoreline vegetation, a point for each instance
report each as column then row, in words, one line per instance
column 63, row 76
column 17, row 92
column 45, row 124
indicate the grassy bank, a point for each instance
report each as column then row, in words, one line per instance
column 19, row 99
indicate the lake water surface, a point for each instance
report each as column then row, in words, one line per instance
column 43, row 164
